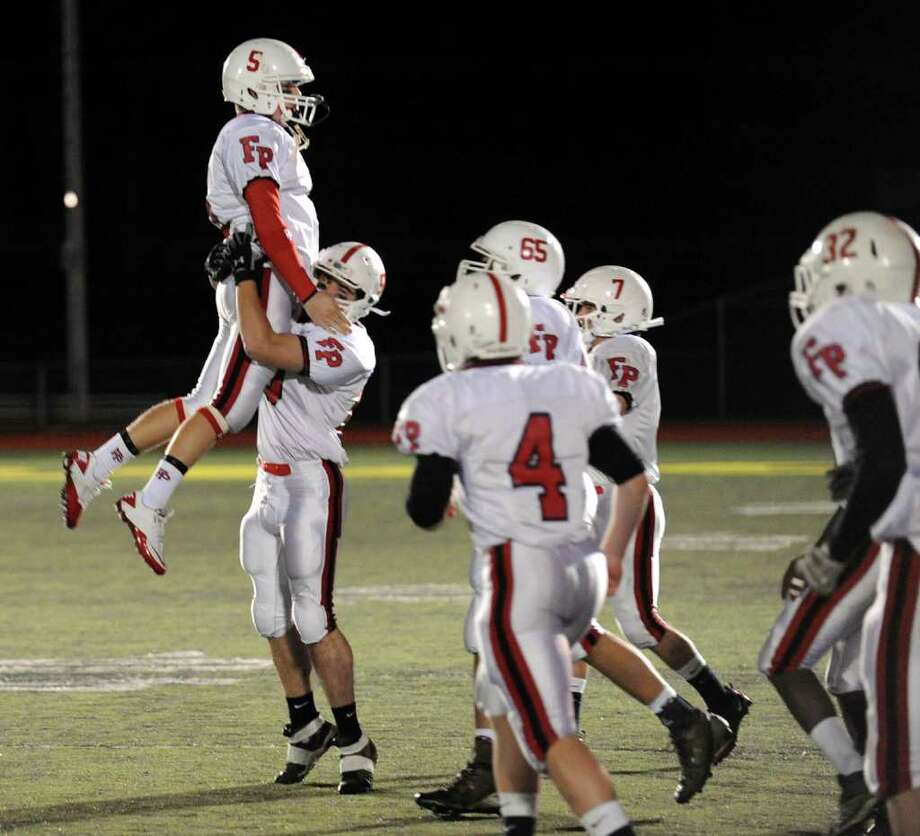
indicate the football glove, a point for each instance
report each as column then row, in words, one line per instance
column 820, row 572
column 247, row 258
column 840, row 481
column 219, row 264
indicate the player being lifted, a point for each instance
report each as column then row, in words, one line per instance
column 256, row 175
column 289, row 538
column 612, row 306
column 855, row 353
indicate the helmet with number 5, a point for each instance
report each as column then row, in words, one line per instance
column 358, row 267
column 528, row 253
column 859, row 254
column 258, row 75
column 482, row 316
column 620, row 298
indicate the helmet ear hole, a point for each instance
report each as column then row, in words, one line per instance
column 873, row 248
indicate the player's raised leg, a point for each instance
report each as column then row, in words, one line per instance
column 241, row 384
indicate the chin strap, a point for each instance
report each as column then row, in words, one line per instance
column 379, row 312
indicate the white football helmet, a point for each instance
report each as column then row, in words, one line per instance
column 526, row 252
column 621, row 299
column 358, row 267
column 483, row 315
column 859, row 254
column 255, row 75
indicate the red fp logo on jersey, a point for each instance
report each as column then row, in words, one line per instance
column 266, row 155
column 831, row 355
column 622, row 373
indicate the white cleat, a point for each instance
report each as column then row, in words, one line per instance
column 80, row 486
column 148, row 527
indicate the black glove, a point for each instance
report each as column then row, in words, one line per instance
column 840, row 481
column 219, row 264
column 247, row 259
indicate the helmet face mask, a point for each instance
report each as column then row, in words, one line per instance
column 524, row 252
column 259, row 75
column 619, row 299
column 482, row 316
column 859, row 254
column 359, row 268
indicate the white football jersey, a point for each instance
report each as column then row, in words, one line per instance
column 519, row 434
column 556, row 335
column 299, row 416
column 251, row 146
column 629, row 364
column 852, row 342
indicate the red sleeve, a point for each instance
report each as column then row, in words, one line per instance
column 265, row 207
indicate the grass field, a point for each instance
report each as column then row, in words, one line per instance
column 133, row 703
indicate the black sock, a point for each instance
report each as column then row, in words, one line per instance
column 519, row 826
column 346, row 721
column 626, row 830
column 482, row 751
column 302, row 710
column 676, row 712
column 710, row 688
column 576, row 704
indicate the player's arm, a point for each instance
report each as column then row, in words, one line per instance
column 430, row 489
column 878, row 467
column 263, row 196
column 260, row 342
column 609, row 453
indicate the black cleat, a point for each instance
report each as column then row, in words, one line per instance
column 356, row 766
column 471, row 791
column 305, row 747
column 733, row 712
column 855, row 807
column 695, row 742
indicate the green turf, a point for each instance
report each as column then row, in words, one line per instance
column 182, row 758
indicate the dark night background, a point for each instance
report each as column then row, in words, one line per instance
column 705, row 154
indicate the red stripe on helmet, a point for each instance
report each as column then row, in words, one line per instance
column 502, row 312
column 351, row 252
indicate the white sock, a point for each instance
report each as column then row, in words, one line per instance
column 160, row 487
column 667, row 693
column 110, row 456
column 577, row 684
column 605, row 818
column 489, row 734
column 834, row 740
column 523, row 804
column 692, row 668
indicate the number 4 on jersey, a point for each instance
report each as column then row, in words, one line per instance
column 535, row 465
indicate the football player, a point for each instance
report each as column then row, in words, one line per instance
column 613, row 305
column 520, row 438
column 532, row 257
column 256, row 175
column 855, row 353
column 289, row 537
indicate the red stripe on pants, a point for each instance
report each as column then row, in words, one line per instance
column 811, row 615
column 515, row 672
column 643, row 580
column 892, row 685
column 333, row 532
